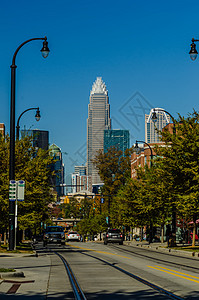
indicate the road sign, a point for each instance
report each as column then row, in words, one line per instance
column 12, row 190
column 102, row 200
column 20, row 190
column 107, row 220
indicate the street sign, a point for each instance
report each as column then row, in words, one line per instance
column 102, row 200
column 20, row 190
column 12, row 190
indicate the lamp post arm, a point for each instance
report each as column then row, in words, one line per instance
column 148, row 146
column 15, row 54
column 17, row 127
column 172, row 118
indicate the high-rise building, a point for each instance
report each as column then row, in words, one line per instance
column 116, row 138
column 81, row 170
column 40, row 138
column 81, row 183
column 58, row 168
column 152, row 128
column 98, row 121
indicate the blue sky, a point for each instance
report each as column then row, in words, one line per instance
column 139, row 48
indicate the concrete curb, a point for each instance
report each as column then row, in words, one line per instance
column 10, row 254
column 167, row 250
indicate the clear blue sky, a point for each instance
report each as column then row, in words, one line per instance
column 139, row 48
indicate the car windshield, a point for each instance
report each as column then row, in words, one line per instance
column 114, row 231
column 73, row 232
column 54, row 229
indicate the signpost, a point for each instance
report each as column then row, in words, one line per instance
column 12, row 190
column 16, row 193
column 20, row 190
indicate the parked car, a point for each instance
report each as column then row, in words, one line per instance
column 73, row 236
column 54, row 235
column 113, row 236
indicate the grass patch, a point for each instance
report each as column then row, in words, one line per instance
column 22, row 248
column 187, row 248
column 4, row 270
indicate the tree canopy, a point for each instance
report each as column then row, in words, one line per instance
column 34, row 168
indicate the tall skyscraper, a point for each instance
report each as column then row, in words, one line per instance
column 98, row 121
column 117, row 138
column 151, row 128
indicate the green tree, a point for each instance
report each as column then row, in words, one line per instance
column 114, row 170
column 33, row 167
column 181, row 157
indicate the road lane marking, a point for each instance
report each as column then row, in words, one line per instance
column 174, row 274
column 178, row 272
column 97, row 251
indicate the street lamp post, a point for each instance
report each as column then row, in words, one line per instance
column 154, row 118
column 137, row 147
column 37, row 117
column 193, row 52
column 45, row 51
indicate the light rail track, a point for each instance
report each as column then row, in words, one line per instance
column 138, row 278
column 77, row 291
column 129, row 274
column 182, row 265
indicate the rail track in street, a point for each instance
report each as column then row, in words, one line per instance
column 79, row 294
column 141, row 252
column 77, row 291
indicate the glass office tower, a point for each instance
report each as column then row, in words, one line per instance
column 117, row 138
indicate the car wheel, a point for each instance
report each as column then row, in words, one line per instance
column 105, row 243
column 120, row 243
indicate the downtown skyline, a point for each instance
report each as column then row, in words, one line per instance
column 139, row 49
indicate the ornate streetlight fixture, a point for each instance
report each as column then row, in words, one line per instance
column 154, row 117
column 45, row 51
column 37, row 117
column 193, row 52
column 137, row 149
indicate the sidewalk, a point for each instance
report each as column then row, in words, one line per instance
column 40, row 277
column 162, row 247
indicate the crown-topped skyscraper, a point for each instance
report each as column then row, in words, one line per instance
column 98, row 120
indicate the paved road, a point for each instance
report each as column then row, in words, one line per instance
column 46, row 277
column 101, row 281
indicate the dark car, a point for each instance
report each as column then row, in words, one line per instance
column 113, row 236
column 54, row 235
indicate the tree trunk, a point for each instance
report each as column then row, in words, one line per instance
column 162, row 233
column 23, row 235
column 194, row 235
column 4, row 239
